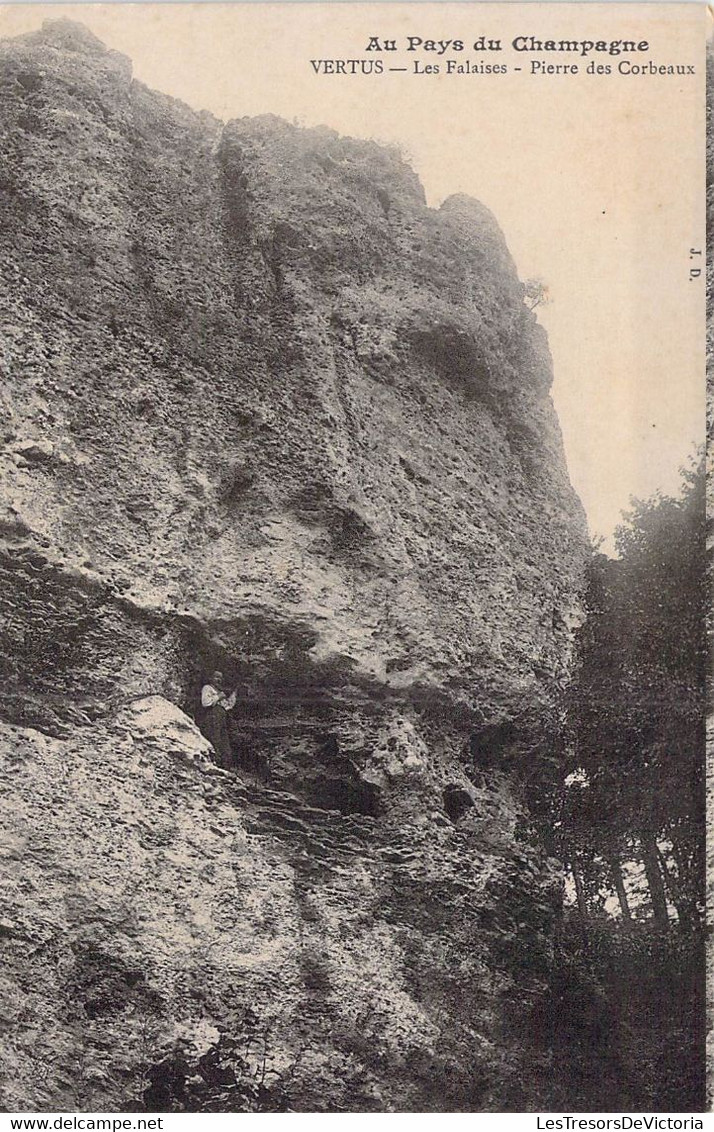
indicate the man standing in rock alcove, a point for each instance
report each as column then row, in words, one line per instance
column 216, row 705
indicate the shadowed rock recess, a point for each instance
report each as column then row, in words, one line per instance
column 265, row 410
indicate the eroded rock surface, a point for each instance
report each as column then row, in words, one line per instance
column 264, row 409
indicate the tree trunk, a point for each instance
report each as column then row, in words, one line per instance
column 686, row 914
column 678, row 855
column 618, row 881
column 582, row 901
column 692, row 879
column 579, row 889
column 654, row 881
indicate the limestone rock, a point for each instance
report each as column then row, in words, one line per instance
column 303, row 433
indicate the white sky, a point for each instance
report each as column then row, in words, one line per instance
column 597, row 181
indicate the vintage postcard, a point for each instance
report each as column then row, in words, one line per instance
column 353, row 558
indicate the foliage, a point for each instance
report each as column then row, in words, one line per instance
column 624, row 1016
column 537, row 294
column 637, row 706
column 623, row 1020
column 237, row 1074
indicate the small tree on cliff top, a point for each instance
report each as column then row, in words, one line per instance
column 537, row 294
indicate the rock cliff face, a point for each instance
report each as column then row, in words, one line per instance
column 265, row 410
